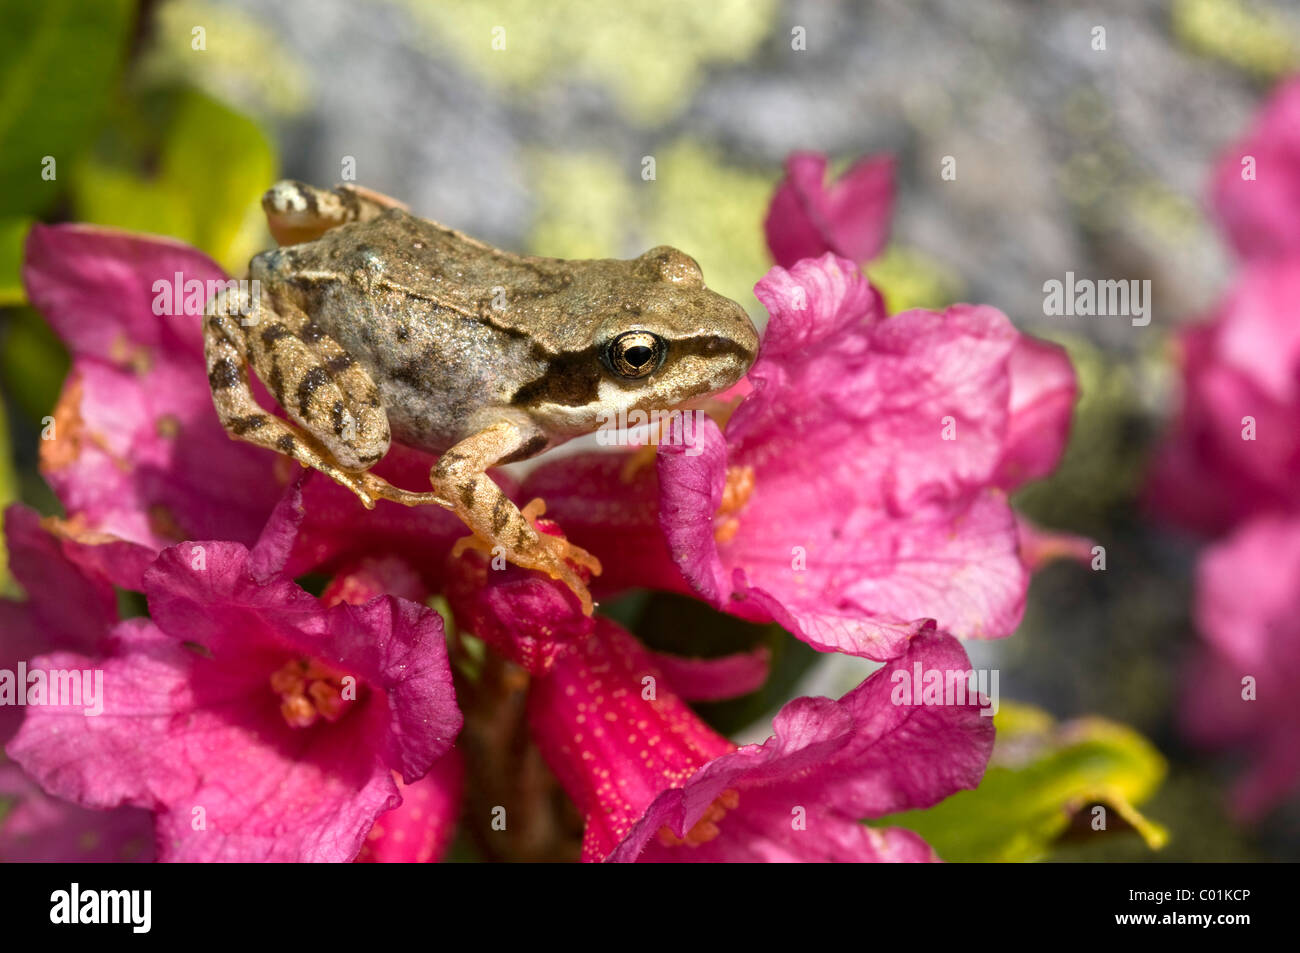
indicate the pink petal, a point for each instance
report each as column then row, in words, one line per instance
column 610, row 513
column 191, row 720
column 834, row 762
column 72, row 609
column 1043, row 390
column 522, row 615
column 850, row 217
column 863, row 522
column 65, row 607
column 337, row 530
column 1262, row 214
column 420, row 829
column 612, row 747
column 1039, row 546
column 897, row 383
column 715, row 679
column 138, row 451
column 1206, row 476
column 40, row 829
column 1247, row 607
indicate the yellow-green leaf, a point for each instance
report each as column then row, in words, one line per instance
column 58, row 61
column 1042, row 783
column 13, row 232
column 213, row 168
column 33, row 363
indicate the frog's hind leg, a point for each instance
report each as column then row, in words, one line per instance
column 297, row 212
column 340, row 437
column 498, row 525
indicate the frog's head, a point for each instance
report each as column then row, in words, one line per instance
column 657, row 337
column 682, row 341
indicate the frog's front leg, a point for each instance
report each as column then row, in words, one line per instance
column 297, row 212
column 461, row 477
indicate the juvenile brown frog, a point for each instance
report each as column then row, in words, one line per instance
column 373, row 326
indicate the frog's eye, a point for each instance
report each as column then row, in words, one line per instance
column 635, row 354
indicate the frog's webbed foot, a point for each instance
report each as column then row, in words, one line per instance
column 297, row 212
column 499, row 527
column 543, row 552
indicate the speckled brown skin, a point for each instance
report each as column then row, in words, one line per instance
column 381, row 326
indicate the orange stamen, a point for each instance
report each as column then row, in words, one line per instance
column 706, row 828
column 309, row 690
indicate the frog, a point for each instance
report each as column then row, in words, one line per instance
column 371, row 326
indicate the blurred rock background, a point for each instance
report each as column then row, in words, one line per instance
column 531, row 125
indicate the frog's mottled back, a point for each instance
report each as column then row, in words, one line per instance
column 449, row 327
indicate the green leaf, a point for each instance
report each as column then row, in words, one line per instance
column 33, row 363
column 58, row 63
column 1040, row 787
column 13, row 233
column 212, row 167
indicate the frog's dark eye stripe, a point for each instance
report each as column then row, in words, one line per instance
column 635, row 354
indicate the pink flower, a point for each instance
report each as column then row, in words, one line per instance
column 421, row 827
column 1043, row 391
column 656, row 784
column 419, row 830
column 65, row 609
column 850, row 218
column 38, row 828
column 256, row 723
column 1256, row 187
column 1234, row 450
column 1248, row 611
column 520, row 614
column 137, row 451
column 858, row 491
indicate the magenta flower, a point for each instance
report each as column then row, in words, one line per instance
column 657, row 784
column 419, row 830
column 808, row 218
column 137, row 452
column 1242, row 690
column 857, row 493
column 255, row 722
column 1256, row 188
column 1234, row 450
column 38, row 828
column 65, row 609
column 517, row 612
column 1043, row 391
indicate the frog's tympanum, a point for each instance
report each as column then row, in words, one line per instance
column 371, row 326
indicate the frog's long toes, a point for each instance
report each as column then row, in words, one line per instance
column 576, row 554
column 577, row 587
column 466, row 543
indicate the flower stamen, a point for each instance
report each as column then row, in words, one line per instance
column 309, row 690
column 706, row 828
column 735, row 494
